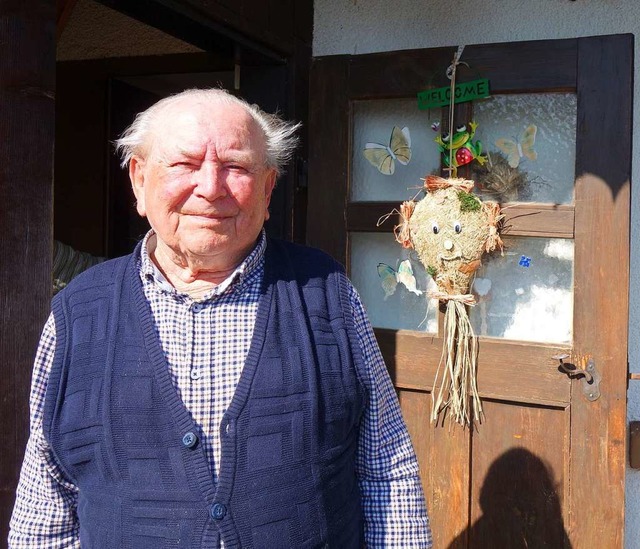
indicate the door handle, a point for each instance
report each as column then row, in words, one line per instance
column 589, row 376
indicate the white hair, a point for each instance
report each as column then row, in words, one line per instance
column 280, row 135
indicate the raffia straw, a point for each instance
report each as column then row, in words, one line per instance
column 466, row 299
column 458, row 390
column 386, row 216
column 402, row 231
column 435, row 182
column 494, row 217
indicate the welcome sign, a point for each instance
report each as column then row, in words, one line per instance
column 465, row 91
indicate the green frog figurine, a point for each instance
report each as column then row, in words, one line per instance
column 461, row 143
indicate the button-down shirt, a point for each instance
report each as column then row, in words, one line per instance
column 205, row 342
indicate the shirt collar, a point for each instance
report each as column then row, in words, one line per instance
column 149, row 270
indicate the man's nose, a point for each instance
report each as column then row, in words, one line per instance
column 210, row 182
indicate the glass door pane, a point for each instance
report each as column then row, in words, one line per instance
column 527, row 294
column 373, row 129
column 398, row 307
column 530, row 140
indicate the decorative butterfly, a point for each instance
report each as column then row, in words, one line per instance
column 516, row 150
column 390, row 278
column 384, row 158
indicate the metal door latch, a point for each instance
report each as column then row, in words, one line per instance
column 591, row 378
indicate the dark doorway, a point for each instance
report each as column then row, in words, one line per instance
column 265, row 86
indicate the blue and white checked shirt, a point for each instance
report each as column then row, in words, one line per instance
column 206, row 342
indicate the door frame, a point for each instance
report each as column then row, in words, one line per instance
column 27, row 91
column 600, row 71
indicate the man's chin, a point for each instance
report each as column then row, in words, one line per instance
column 209, row 244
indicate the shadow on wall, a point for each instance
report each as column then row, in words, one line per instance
column 520, row 507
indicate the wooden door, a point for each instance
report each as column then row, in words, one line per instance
column 546, row 466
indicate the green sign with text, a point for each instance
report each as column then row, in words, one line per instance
column 466, row 91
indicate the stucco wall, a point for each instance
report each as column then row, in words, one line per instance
column 365, row 26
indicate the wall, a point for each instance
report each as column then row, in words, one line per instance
column 365, row 26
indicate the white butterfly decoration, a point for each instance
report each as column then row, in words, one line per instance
column 390, row 278
column 515, row 150
column 384, row 157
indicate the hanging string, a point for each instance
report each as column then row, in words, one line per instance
column 451, row 75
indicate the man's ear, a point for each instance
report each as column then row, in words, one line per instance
column 270, row 184
column 137, row 176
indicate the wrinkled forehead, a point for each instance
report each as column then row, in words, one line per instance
column 192, row 125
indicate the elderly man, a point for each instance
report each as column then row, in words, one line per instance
column 215, row 387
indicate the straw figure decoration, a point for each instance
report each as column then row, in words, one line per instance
column 450, row 229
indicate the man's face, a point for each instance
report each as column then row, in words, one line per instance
column 203, row 185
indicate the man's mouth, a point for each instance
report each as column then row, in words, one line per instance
column 212, row 216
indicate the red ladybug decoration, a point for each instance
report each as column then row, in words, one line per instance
column 463, row 156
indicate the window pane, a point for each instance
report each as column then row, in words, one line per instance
column 373, row 122
column 403, row 309
column 537, row 134
column 527, row 294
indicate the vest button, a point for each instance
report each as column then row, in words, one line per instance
column 218, row 511
column 190, row 439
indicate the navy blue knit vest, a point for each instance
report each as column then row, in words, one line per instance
column 124, row 437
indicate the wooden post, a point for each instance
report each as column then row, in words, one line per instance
column 27, row 81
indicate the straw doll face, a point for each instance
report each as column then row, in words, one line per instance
column 449, row 229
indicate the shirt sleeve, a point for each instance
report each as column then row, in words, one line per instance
column 44, row 515
column 394, row 508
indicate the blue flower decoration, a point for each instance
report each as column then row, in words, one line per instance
column 525, row 261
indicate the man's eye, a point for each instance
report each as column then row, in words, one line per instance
column 237, row 168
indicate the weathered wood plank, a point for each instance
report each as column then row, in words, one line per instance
column 518, row 477
column 601, row 284
column 521, row 219
column 27, row 83
column 518, row 372
column 539, row 65
column 415, row 410
column 444, row 467
column 265, row 28
column 539, row 220
column 328, row 139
